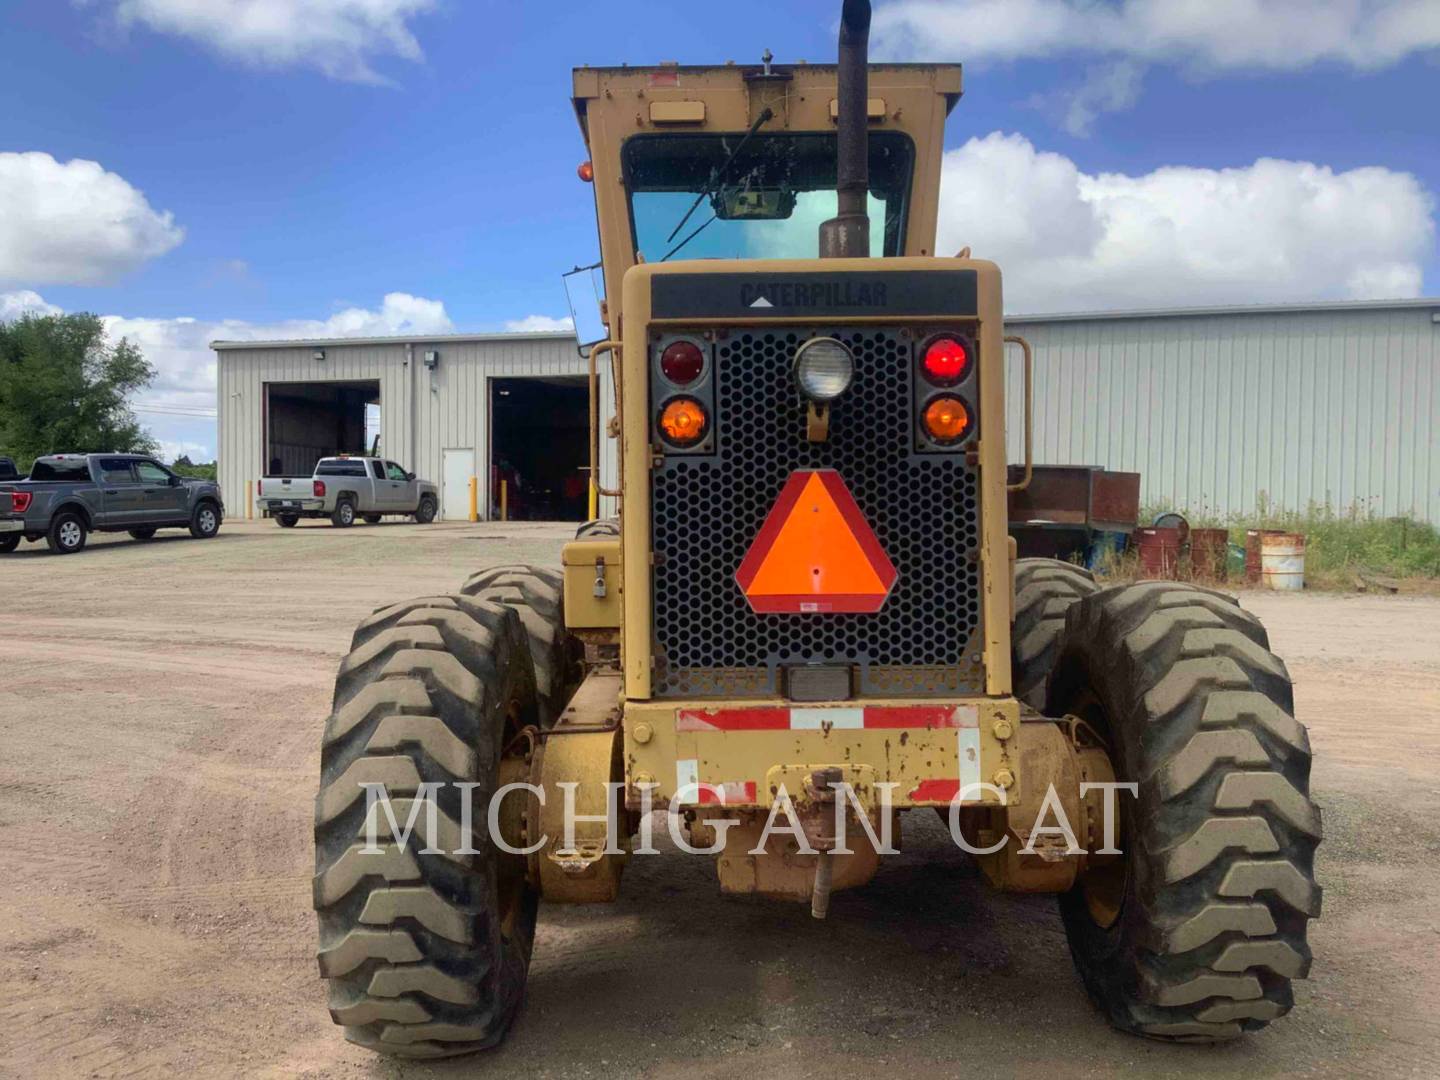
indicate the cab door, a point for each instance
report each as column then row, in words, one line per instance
column 122, row 496
column 404, row 492
column 380, row 484
column 165, row 500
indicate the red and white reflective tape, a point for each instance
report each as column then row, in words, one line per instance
column 730, row 793
column 964, row 720
column 828, row 719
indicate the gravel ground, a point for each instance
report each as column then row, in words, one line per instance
column 160, row 711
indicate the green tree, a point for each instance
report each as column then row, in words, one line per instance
column 201, row 471
column 64, row 387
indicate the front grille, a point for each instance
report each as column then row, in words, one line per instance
column 924, row 509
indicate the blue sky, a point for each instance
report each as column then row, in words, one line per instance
column 319, row 161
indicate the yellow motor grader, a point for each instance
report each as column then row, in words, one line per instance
column 808, row 618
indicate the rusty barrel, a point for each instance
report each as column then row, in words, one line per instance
column 1209, row 550
column 1252, row 553
column 1159, row 551
column 1282, row 561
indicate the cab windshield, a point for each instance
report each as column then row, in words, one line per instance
column 764, row 199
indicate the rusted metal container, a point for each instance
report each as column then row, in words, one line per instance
column 1209, row 549
column 1282, row 561
column 1252, row 553
column 1159, row 551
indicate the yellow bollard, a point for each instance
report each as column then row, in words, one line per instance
column 504, row 500
column 474, row 498
column 249, row 500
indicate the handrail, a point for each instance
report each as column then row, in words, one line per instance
column 604, row 346
column 1029, row 412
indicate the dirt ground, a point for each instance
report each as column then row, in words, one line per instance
column 160, row 712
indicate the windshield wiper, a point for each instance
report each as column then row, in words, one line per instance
column 718, row 176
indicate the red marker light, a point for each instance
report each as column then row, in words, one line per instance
column 682, row 363
column 947, row 361
column 586, row 172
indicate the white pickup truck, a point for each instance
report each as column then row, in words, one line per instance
column 344, row 488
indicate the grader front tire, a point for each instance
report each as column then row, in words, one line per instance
column 538, row 595
column 1209, row 924
column 1044, row 591
column 425, row 954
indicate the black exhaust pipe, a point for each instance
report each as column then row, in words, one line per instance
column 847, row 234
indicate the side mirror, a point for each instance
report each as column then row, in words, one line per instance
column 176, row 481
column 409, row 476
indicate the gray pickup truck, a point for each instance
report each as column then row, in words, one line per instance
column 69, row 496
column 344, row 488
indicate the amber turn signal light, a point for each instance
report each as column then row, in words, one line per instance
column 947, row 419
column 683, row 421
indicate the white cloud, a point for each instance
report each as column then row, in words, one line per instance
column 184, row 385
column 1112, row 87
column 341, row 38
column 1279, row 35
column 74, row 223
column 1269, row 232
column 15, row 304
column 536, row 324
column 198, row 453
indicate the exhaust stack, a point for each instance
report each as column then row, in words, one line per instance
column 847, row 235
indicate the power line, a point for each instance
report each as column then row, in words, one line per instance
column 177, row 410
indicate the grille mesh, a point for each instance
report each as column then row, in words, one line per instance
column 707, row 511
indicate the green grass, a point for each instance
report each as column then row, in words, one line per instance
column 1341, row 544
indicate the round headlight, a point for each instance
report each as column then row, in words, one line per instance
column 824, row 369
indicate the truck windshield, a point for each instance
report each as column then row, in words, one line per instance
column 769, row 201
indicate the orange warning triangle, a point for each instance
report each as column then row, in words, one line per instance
column 816, row 553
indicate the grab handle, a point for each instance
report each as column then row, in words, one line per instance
column 602, row 347
column 1029, row 412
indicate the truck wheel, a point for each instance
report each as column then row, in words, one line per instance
column 8, row 544
column 142, row 534
column 67, row 533
column 344, row 514
column 1198, row 932
column 598, row 529
column 425, row 513
column 287, row 521
column 372, row 519
column 205, row 522
column 538, row 594
column 1044, row 591
column 426, row 955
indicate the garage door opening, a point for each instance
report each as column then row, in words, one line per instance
column 539, row 449
column 307, row 421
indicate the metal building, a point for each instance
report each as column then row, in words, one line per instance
column 1216, row 408
column 1334, row 403
column 449, row 408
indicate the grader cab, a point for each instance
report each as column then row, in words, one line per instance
column 807, row 620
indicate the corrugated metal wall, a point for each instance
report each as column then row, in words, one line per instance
column 423, row 413
column 1337, row 406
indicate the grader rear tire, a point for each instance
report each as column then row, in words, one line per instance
column 1201, row 934
column 1044, row 591
column 426, row 954
column 538, row 595
column 599, row 529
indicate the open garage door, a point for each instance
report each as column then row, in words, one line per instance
column 539, row 448
column 307, row 421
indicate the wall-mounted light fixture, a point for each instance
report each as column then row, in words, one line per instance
column 432, row 359
column 319, row 354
